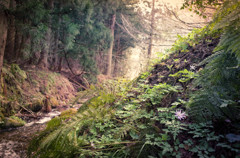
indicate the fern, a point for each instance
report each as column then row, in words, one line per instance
column 103, row 130
column 219, row 81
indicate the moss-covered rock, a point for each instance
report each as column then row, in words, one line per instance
column 13, row 121
column 68, row 113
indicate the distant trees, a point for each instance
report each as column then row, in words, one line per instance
column 52, row 34
column 109, row 68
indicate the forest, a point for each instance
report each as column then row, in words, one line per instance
column 63, row 93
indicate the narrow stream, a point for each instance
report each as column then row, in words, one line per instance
column 14, row 142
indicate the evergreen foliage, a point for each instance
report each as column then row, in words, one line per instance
column 79, row 30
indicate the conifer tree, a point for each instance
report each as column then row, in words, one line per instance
column 48, row 33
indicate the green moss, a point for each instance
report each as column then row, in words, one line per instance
column 18, row 73
column 57, row 121
column 12, row 82
column 52, row 78
column 51, row 82
column 9, row 107
column 68, row 113
column 41, row 74
column 13, row 121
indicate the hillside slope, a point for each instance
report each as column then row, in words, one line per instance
column 26, row 91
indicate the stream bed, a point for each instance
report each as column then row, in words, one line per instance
column 14, row 142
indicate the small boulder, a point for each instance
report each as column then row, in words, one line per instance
column 13, row 121
column 68, row 113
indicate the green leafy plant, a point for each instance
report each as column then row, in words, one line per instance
column 156, row 93
column 184, row 75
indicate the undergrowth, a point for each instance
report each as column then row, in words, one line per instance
column 125, row 120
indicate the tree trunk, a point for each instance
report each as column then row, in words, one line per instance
column 56, row 46
column 9, row 51
column 118, row 59
column 110, row 50
column 35, row 54
column 151, row 31
column 43, row 61
column 17, row 43
column 3, row 32
column 25, row 40
column 60, row 64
